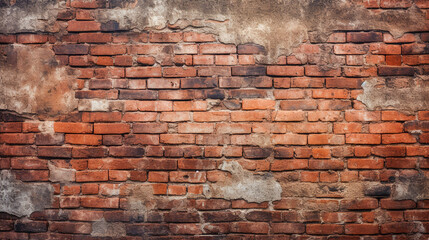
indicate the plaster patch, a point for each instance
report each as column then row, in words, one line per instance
column 32, row 82
column 57, row 174
column 244, row 185
column 108, row 229
column 29, row 15
column 22, row 199
column 407, row 99
column 279, row 25
column 411, row 188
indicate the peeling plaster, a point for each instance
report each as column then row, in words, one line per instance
column 22, row 199
column 29, row 15
column 32, row 82
column 244, row 185
column 57, row 174
column 411, row 188
column 377, row 96
column 279, row 25
column 108, row 229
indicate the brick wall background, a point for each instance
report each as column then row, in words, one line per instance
column 173, row 134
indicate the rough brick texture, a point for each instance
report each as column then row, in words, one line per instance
column 159, row 113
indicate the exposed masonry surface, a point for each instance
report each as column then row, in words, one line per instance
column 215, row 119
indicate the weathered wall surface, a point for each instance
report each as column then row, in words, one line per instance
column 217, row 119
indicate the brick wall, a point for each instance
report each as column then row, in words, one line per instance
column 143, row 154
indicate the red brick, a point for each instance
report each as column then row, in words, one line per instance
column 149, row 106
column 322, row 139
column 284, row 165
column 211, row 71
column 143, row 72
column 350, row 49
column 196, row 164
column 79, row 61
column 250, row 49
column 158, row 177
column 355, row 60
column 53, row 152
column 365, row 163
column 226, row 60
column 324, row 229
column 395, row 3
column 101, row 116
column 17, row 138
column 288, row 116
column 321, row 153
column 289, row 139
column 255, row 104
column 175, row 116
column 32, row 38
column 330, row 93
column 89, row 188
column 183, row 60
column 70, row 202
column 95, row 37
column 95, row 202
column 83, row 139
column 176, row 189
column 393, row 60
column 146, row 60
column 83, row 26
column 337, row 38
column 143, row 139
column 290, row 94
column 402, row 227
column 177, row 138
column 396, row 71
column 179, row 72
column 347, row 128
column 70, row 227
column 165, row 37
column 32, row 175
column 7, row 38
column 392, row 204
column 125, row 151
column 361, row 229
column 363, row 138
column 285, row 71
column 326, row 164
column 360, row 71
column 120, row 176
column 88, row 152
column 10, row 127
column 359, row 204
column 211, row 116
column 388, row 151
column 111, row 128
column 28, row 163
column 92, row 176
column 203, row 59
column 150, row 127
column 254, row 116
column 361, row 37
column 249, row 227
column 139, row 117
column 324, row 116
column 401, row 163
column 397, row 116
column 362, row 116
column 385, row 128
